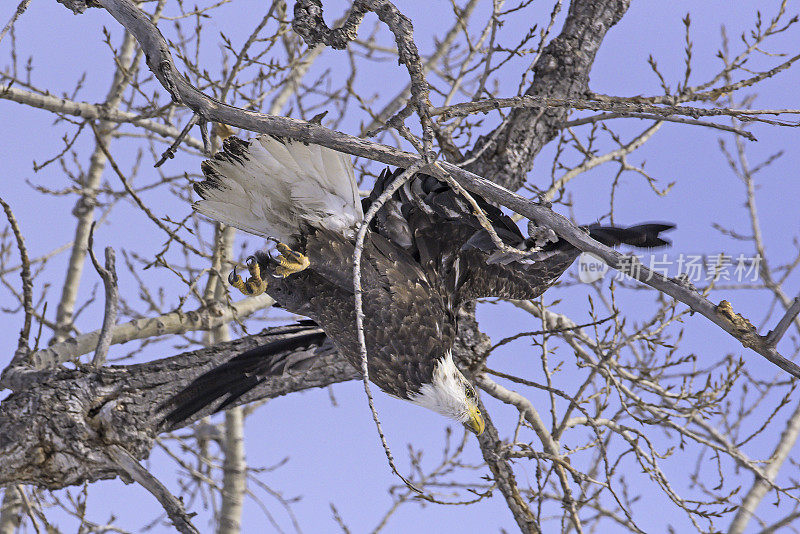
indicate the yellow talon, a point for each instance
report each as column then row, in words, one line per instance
column 255, row 285
column 236, row 281
column 290, row 261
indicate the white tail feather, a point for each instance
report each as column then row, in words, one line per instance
column 271, row 187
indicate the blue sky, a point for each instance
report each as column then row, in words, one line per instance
column 334, row 455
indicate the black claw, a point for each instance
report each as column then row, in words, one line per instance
column 232, row 276
column 251, row 262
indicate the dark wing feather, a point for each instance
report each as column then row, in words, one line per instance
column 641, row 235
column 459, row 255
column 493, row 275
column 240, row 374
column 331, row 256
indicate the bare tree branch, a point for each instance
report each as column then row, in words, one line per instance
column 84, row 207
column 776, row 333
column 92, row 111
column 64, row 441
column 169, row 324
column 128, row 465
column 562, row 71
column 27, row 285
column 21, row 7
column 504, row 477
column 109, row 276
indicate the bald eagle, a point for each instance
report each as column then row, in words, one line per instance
column 425, row 255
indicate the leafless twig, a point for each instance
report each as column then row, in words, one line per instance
column 131, row 468
column 109, row 276
column 357, row 296
column 776, row 334
column 169, row 153
column 23, row 5
column 27, row 285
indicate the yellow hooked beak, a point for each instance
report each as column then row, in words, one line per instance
column 475, row 421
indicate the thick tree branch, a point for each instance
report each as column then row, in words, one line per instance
column 503, row 475
column 624, row 107
column 309, row 24
column 550, row 446
column 27, row 285
column 562, row 71
column 56, row 432
column 470, row 345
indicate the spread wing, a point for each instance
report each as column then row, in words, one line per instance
column 437, row 227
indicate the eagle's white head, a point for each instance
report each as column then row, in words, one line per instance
column 451, row 394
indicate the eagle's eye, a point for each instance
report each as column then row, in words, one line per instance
column 469, row 391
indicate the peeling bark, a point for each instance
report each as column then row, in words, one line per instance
column 561, row 72
column 55, row 429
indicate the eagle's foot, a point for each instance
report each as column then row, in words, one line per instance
column 290, row 261
column 255, row 285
